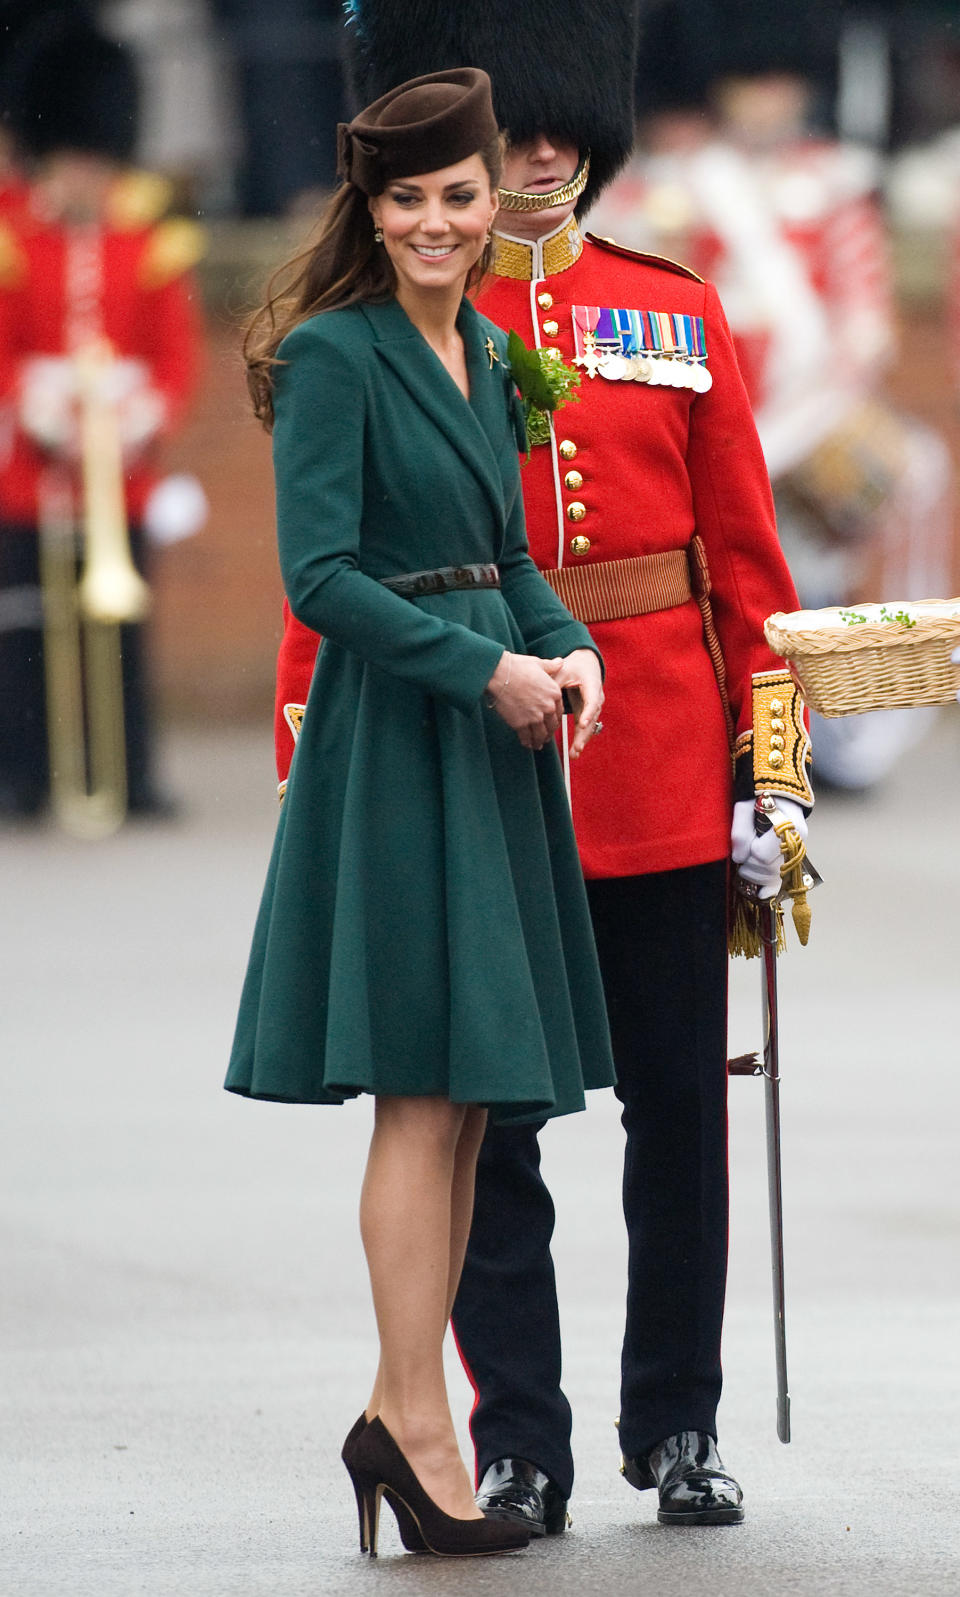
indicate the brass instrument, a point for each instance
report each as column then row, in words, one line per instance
column 82, row 617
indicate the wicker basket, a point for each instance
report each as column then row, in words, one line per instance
column 849, row 660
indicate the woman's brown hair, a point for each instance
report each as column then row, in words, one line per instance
column 344, row 265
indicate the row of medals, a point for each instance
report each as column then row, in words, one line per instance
column 660, row 371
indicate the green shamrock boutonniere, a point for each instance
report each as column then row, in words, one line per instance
column 545, row 384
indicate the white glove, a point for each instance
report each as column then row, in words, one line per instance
column 757, row 856
column 176, row 508
column 48, row 398
column 955, row 657
column 124, row 383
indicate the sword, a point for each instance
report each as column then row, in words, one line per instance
column 796, row 884
column 771, row 1089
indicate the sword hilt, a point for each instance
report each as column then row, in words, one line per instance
column 798, row 876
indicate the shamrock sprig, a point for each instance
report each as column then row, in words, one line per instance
column 545, row 382
column 902, row 618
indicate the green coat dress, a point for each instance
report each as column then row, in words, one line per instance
column 424, row 926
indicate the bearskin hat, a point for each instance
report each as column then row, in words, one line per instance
column 562, row 67
column 74, row 89
column 753, row 38
column 677, row 52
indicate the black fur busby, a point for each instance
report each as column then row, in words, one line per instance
column 562, row 67
column 677, row 52
column 752, row 38
column 74, row 89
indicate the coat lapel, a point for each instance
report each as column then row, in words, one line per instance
column 468, row 426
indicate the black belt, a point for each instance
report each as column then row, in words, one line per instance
column 446, row 579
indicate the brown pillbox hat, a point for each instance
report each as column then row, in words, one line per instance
column 420, row 126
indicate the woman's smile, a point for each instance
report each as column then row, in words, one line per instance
column 435, row 252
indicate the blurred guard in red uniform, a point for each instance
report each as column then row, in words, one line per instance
column 652, row 477
column 86, row 259
column 786, row 220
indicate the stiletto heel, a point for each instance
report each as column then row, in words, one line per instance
column 382, row 1468
column 346, row 1453
column 406, row 1524
column 372, row 1497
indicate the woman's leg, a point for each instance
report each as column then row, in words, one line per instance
column 417, row 1187
column 461, row 1218
column 462, row 1194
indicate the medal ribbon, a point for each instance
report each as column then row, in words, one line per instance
column 585, row 319
column 636, row 332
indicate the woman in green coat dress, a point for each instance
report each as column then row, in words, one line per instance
column 423, row 934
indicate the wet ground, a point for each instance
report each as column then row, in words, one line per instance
column 185, row 1331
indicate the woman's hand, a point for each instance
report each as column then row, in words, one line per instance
column 580, row 674
column 525, row 693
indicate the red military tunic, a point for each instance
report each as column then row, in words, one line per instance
column 125, row 280
column 650, row 467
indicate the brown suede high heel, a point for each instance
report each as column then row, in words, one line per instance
column 406, row 1524
column 382, row 1471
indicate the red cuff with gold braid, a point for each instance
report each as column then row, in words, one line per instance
column 774, row 756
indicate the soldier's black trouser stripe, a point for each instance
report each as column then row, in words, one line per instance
column 662, row 946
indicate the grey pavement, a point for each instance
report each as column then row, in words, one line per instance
column 184, row 1325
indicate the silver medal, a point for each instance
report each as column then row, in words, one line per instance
column 614, row 368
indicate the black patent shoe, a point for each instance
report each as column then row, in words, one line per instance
column 693, row 1486
column 514, row 1489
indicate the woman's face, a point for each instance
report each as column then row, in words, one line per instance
column 435, row 225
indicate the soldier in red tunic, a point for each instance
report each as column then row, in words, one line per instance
column 84, row 260
column 648, row 496
column 738, row 180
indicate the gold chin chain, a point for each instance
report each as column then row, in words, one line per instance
column 517, row 200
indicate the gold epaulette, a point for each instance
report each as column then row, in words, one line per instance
column 775, row 756
column 174, row 247
column 628, row 254
column 13, row 262
column 137, row 199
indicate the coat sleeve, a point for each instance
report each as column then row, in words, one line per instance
column 171, row 342
column 733, row 507
column 318, row 463
column 296, row 659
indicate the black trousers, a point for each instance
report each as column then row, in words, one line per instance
column 662, row 946
column 24, row 763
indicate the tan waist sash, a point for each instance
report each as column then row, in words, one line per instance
column 612, row 590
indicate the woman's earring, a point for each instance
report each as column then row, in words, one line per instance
column 378, row 235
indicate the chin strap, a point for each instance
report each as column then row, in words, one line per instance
column 517, row 200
